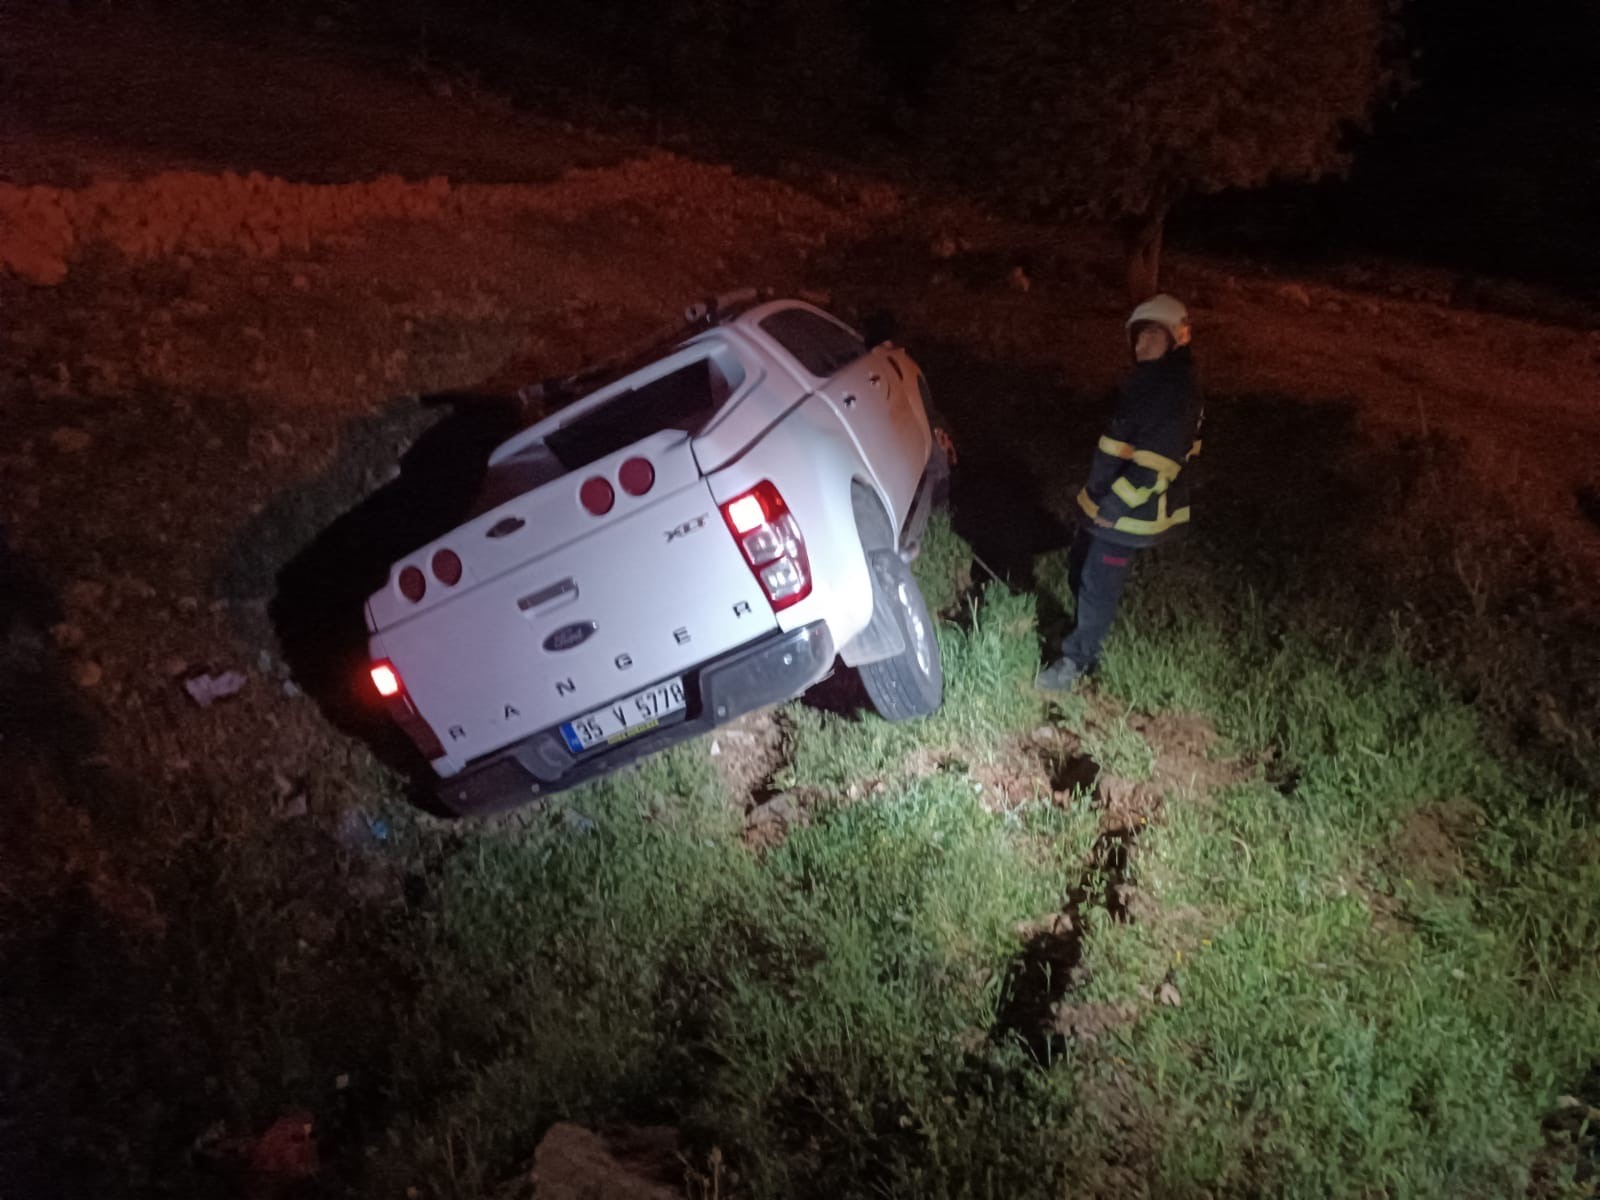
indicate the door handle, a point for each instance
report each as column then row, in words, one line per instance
column 547, row 600
column 874, row 379
column 850, row 401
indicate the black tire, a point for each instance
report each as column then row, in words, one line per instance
column 911, row 684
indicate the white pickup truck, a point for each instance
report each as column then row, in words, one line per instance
column 695, row 539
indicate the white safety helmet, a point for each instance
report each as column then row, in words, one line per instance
column 1165, row 311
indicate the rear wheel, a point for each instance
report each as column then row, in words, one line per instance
column 909, row 684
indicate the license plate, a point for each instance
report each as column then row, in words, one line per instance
column 625, row 718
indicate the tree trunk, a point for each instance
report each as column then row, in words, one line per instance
column 1141, row 245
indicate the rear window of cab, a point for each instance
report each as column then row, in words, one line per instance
column 685, row 399
column 822, row 347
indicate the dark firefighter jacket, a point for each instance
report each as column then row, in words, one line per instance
column 1137, row 481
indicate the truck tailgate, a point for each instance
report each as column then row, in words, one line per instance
column 649, row 592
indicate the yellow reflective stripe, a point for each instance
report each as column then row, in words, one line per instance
column 1163, row 520
column 1133, row 497
column 1138, row 497
column 1159, row 463
column 1160, row 525
column 1127, row 451
column 1194, row 450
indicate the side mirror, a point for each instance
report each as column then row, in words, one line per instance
column 879, row 327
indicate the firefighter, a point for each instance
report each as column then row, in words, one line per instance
column 1137, row 494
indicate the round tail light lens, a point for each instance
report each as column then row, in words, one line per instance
column 637, row 476
column 597, row 496
column 412, row 584
column 447, row 567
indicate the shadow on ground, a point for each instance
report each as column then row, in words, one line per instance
column 332, row 560
column 1589, row 504
column 44, row 720
column 153, row 964
column 1273, row 466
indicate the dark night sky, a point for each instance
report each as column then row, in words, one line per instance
column 1508, row 50
column 1490, row 164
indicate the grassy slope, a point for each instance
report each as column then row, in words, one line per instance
column 1373, row 900
column 1351, row 1020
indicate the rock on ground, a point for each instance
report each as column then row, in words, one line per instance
column 574, row 1163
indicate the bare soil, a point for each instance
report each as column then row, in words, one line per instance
column 121, row 93
column 1428, row 846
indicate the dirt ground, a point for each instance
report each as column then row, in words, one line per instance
column 120, row 92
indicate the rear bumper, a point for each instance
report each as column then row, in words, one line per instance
column 773, row 669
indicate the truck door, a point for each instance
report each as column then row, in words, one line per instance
column 873, row 394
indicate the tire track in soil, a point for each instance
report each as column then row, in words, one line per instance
column 1037, row 1006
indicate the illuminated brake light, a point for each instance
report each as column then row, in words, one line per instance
column 745, row 514
column 403, row 712
column 769, row 537
column 385, row 680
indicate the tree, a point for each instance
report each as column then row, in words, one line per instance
column 1120, row 108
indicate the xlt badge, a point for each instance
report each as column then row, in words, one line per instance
column 687, row 527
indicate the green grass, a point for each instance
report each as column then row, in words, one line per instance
column 1118, row 748
column 805, row 1015
column 1350, row 1055
column 989, row 661
column 824, row 1019
column 944, row 567
column 1346, row 1029
column 828, row 1016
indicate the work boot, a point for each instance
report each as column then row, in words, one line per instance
column 1060, row 676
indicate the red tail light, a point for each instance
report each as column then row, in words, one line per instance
column 637, row 476
column 413, row 584
column 403, row 712
column 447, row 567
column 597, row 495
column 770, row 538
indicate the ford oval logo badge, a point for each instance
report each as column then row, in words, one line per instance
column 572, row 635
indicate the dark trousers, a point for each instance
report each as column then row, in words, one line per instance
column 1098, row 571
